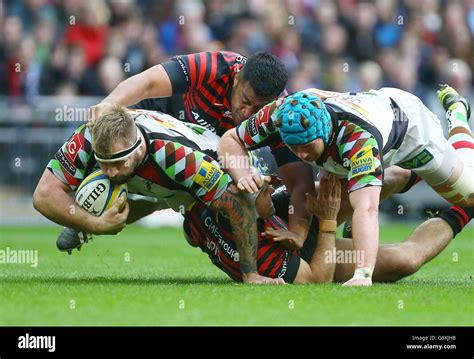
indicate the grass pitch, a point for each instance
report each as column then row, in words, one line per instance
column 153, row 277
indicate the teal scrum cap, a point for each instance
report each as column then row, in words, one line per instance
column 301, row 118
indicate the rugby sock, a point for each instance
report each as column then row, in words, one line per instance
column 414, row 179
column 460, row 135
column 457, row 217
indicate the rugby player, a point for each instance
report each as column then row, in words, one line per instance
column 158, row 157
column 218, row 90
column 323, row 257
column 356, row 136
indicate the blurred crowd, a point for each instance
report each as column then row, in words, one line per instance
column 73, row 47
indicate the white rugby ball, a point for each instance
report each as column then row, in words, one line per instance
column 97, row 193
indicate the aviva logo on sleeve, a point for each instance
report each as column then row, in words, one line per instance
column 207, row 175
column 362, row 162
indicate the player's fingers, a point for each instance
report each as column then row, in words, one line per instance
column 126, row 210
column 323, row 183
column 279, row 281
column 310, row 200
column 118, row 203
column 320, row 194
column 257, row 179
column 334, row 186
column 252, row 186
column 271, row 232
column 248, row 185
column 337, row 190
column 240, row 186
column 267, row 179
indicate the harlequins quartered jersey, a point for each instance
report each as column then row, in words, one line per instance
column 179, row 168
column 366, row 126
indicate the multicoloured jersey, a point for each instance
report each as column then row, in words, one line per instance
column 369, row 128
column 179, row 167
column 202, row 86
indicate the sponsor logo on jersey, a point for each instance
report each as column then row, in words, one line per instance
column 181, row 63
column 362, row 162
column 213, row 228
column 241, row 59
column 207, row 175
column 419, row 160
column 73, row 146
column 65, row 163
column 201, row 122
column 252, row 126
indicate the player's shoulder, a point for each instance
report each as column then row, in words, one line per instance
column 81, row 138
column 230, row 60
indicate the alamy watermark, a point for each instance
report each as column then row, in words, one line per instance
column 19, row 256
column 71, row 114
column 28, row 341
column 344, row 256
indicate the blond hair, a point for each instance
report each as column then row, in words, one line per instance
column 115, row 125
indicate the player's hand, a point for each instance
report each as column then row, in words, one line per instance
column 252, row 182
column 359, row 282
column 95, row 111
column 255, row 278
column 286, row 238
column 114, row 219
column 328, row 202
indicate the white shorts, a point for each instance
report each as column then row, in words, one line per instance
column 424, row 150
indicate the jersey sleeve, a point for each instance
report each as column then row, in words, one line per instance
column 190, row 72
column 359, row 152
column 70, row 162
column 259, row 130
column 193, row 170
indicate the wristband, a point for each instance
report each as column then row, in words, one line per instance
column 327, row 225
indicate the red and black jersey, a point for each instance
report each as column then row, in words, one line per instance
column 201, row 85
column 212, row 233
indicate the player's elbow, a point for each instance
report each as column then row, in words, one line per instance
column 226, row 148
column 226, row 138
column 40, row 197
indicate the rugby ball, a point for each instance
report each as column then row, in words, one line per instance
column 97, row 193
